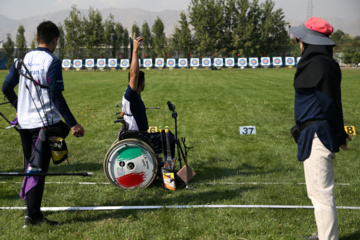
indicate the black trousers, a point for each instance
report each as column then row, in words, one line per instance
column 41, row 155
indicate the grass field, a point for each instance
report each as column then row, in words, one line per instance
column 235, row 169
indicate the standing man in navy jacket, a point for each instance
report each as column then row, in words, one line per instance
column 319, row 117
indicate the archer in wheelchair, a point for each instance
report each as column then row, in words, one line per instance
column 134, row 158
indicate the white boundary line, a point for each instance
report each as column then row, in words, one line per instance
column 107, row 208
column 199, row 183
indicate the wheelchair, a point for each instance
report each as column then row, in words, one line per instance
column 133, row 161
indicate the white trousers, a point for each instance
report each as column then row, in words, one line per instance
column 319, row 178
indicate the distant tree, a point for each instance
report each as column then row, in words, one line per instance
column 20, row 41
column 126, row 43
column 356, row 57
column 206, row 18
column 228, row 25
column 146, row 33
column 94, row 33
column 74, row 33
column 61, row 41
column 34, row 42
column 9, row 47
column 135, row 29
column 242, row 32
column 336, row 36
column 182, row 39
column 347, row 55
column 158, row 40
column 119, row 38
column 110, row 37
column 273, row 34
column 294, row 48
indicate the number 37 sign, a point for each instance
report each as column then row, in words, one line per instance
column 247, row 130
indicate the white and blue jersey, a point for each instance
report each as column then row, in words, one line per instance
column 34, row 108
column 134, row 110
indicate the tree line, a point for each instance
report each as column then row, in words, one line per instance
column 224, row 28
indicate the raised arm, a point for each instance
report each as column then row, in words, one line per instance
column 134, row 68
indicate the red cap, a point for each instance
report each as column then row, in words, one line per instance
column 319, row 25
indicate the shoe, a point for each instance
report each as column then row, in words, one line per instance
column 29, row 221
column 314, row 236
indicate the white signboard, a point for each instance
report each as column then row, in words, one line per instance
column 247, row 130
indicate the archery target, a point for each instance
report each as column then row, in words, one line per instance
column 124, row 63
column 194, row 62
column 290, row 61
column 147, row 62
column 170, row 63
column 218, row 62
column 183, row 62
column 242, row 62
column 265, row 61
column 159, row 62
column 89, row 63
column 253, row 62
column 66, row 63
column 101, row 62
column 277, row 61
column 112, row 62
column 229, row 62
column 206, row 62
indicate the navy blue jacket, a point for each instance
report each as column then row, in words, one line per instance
column 318, row 97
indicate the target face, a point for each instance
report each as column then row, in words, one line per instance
column 218, row 62
column 147, row 63
column 183, row 62
column 265, row 61
column 171, row 62
column 77, row 63
column 242, row 62
column 90, row 62
column 230, row 61
column 101, row 62
column 277, row 61
column 159, row 62
column 290, row 61
column 130, row 164
column 253, row 62
column 112, row 63
column 66, row 63
column 124, row 63
column 195, row 62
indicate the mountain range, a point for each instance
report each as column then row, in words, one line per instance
column 127, row 17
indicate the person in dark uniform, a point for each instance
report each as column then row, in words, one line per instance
column 319, row 117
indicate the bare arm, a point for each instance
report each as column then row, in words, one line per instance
column 134, row 69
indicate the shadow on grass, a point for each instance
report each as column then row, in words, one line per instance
column 353, row 236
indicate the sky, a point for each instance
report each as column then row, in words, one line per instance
column 293, row 9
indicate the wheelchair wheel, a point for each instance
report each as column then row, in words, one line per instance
column 130, row 164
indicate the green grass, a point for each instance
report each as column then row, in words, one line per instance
column 211, row 107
